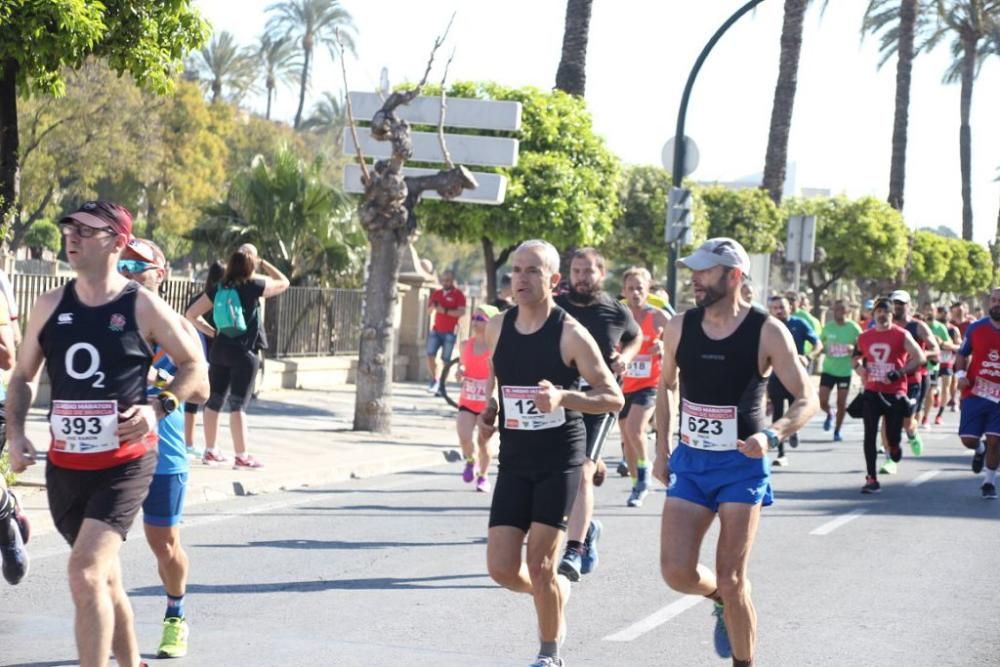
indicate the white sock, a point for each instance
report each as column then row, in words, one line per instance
column 991, row 476
column 980, row 447
column 209, row 450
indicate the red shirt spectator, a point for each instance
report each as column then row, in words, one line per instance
column 448, row 304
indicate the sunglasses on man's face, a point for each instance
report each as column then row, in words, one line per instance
column 134, row 266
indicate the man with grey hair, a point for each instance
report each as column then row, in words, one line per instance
column 537, row 355
column 723, row 351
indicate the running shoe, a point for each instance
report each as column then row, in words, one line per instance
column 828, row 422
column 174, row 643
column 720, row 637
column 195, row 453
column 622, row 469
column 977, row 460
column 837, row 437
column 888, row 468
column 951, row 405
column 938, row 420
column 12, row 552
column 989, row 491
column 470, row 471
column 781, row 461
column 433, row 387
column 247, row 462
column 590, row 558
column 916, row 444
column 923, row 420
column 571, row 564
column 211, row 456
column 871, row 485
column 483, row 484
column 793, row 440
column 547, row 661
column 637, row 496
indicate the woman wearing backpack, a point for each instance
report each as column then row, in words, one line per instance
column 215, row 273
column 238, row 335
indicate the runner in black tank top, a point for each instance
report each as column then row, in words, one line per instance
column 538, row 353
column 723, row 350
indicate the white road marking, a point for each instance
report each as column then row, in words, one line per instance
column 656, row 619
column 920, row 479
column 831, row 526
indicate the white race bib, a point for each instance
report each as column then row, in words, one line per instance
column 711, row 427
column 521, row 414
column 84, row 427
column 947, row 356
column 640, row 367
column 986, row 389
column 839, row 350
column 473, row 390
column 879, row 372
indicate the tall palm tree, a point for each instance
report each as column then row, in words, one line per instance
column 328, row 119
column 571, row 76
column 280, row 64
column 971, row 23
column 311, row 23
column 223, row 64
column 899, row 22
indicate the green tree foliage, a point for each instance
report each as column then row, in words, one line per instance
column 43, row 235
column 223, row 65
column 862, row 239
column 563, row 189
column 40, row 40
column 749, row 216
column 930, row 259
column 970, row 272
column 279, row 61
column 283, row 205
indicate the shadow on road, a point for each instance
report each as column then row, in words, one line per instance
column 340, row 544
column 376, row 583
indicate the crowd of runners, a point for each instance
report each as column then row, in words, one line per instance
column 726, row 385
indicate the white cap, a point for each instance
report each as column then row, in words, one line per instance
column 719, row 251
column 900, row 295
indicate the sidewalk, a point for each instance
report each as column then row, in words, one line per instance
column 303, row 438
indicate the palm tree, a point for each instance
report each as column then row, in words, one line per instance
column 280, row 64
column 329, row 117
column 971, row 23
column 897, row 21
column 784, row 98
column 223, row 64
column 311, row 22
column 571, row 76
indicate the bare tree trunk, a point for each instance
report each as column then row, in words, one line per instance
column 10, row 170
column 304, row 83
column 571, row 77
column 904, row 69
column 270, row 94
column 216, row 90
column 784, row 99
column 965, row 134
column 373, row 401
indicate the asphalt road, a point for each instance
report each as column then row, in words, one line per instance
column 391, row 570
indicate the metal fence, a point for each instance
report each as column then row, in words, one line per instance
column 313, row 321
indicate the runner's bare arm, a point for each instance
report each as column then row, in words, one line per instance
column 934, row 350
column 195, row 313
column 487, row 418
column 915, row 355
column 665, row 396
column 7, row 345
column 159, row 323
column 579, row 349
column 778, row 349
column 629, row 350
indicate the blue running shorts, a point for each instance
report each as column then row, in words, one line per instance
column 165, row 503
column 980, row 416
column 711, row 478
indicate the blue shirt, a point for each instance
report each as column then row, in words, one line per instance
column 802, row 331
column 172, row 458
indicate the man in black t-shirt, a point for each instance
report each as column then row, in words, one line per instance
column 612, row 325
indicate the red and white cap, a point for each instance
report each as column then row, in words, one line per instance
column 102, row 215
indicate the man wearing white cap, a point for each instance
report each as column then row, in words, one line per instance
column 723, row 350
column 916, row 382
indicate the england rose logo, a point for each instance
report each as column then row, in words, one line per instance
column 117, row 323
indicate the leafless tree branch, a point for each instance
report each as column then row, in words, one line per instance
column 444, row 110
column 365, row 178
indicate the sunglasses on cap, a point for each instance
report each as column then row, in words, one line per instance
column 134, row 266
column 479, row 317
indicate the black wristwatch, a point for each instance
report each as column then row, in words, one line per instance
column 168, row 402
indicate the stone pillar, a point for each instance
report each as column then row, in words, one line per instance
column 416, row 285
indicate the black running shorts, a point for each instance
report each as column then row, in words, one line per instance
column 642, row 398
column 831, row 381
column 521, row 498
column 113, row 495
column 598, row 427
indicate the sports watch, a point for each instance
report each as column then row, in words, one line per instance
column 168, row 402
column 772, row 438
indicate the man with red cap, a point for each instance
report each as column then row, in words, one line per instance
column 95, row 335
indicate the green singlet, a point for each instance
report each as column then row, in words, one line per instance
column 838, row 346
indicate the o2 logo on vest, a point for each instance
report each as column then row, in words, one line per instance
column 92, row 367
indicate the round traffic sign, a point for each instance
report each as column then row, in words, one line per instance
column 691, row 155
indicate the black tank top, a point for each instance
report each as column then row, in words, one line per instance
column 96, row 352
column 724, row 372
column 523, row 360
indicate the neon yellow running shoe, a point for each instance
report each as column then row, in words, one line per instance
column 888, row 468
column 916, row 444
column 175, row 639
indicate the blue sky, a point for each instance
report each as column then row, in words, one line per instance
column 639, row 56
